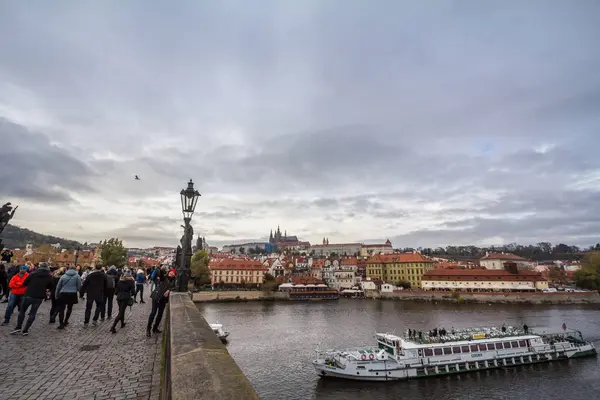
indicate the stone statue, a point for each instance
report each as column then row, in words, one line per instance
column 186, row 239
column 7, row 212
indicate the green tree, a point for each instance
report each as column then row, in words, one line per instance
column 268, row 277
column 557, row 275
column 588, row 277
column 199, row 268
column 113, row 252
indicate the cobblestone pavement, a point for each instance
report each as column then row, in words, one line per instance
column 54, row 364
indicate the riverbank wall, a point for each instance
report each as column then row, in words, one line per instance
column 417, row 295
column 494, row 297
column 238, row 295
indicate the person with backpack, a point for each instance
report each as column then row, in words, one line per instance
column 112, row 277
column 154, row 278
column 140, row 280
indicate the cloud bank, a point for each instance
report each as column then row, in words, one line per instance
column 462, row 123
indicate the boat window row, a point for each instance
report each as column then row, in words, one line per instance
column 474, row 348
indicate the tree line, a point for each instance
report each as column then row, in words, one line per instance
column 538, row 252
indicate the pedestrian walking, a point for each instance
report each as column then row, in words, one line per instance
column 140, row 280
column 17, row 290
column 66, row 292
column 55, row 278
column 125, row 291
column 94, row 286
column 3, row 282
column 10, row 272
column 160, row 298
column 112, row 277
column 36, row 284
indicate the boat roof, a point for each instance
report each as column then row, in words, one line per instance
column 463, row 337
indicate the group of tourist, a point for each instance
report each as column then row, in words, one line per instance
column 26, row 287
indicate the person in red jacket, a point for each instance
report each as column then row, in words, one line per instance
column 17, row 290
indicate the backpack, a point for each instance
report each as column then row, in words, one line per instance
column 110, row 281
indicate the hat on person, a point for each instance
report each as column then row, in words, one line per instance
column 25, row 267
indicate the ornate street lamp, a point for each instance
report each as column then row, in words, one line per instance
column 189, row 199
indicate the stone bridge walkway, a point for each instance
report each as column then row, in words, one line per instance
column 54, row 364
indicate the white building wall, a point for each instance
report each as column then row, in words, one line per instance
column 482, row 285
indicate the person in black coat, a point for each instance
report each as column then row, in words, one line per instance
column 95, row 287
column 10, row 272
column 36, row 285
column 112, row 278
column 125, row 291
column 55, row 278
column 3, row 282
column 160, row 298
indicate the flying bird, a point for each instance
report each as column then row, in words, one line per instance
column 137, row 178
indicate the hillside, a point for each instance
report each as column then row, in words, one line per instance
column 16, row 237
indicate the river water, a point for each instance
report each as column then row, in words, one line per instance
column 274, row 343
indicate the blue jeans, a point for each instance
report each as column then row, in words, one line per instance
column 25, row 304
column 14, row 300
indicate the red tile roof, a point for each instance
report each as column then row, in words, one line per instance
column 349, row 261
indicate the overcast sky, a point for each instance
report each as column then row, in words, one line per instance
column 467, row 122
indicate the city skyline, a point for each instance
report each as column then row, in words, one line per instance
column 455, row 124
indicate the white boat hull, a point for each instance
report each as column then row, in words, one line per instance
column 391, row 370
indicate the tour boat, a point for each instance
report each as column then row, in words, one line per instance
column 420, row 355
column 220, row 332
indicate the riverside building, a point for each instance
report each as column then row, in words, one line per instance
column 393, row 268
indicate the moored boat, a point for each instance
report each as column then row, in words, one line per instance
column 418, row 355
column 220, row 332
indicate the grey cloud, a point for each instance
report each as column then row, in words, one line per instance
column 329, row 109
column 35, row 169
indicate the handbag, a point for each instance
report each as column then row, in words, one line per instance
column 130, row 302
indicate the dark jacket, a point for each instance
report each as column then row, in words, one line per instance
column 94, row 285
column 3, row 275
column 125, row 288
column 55, row 279
column 12, row 271
column 113, row 274
column 159, row 293
column 37, row 283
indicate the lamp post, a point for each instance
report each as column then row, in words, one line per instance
column 76, row 255
column 189, row 198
